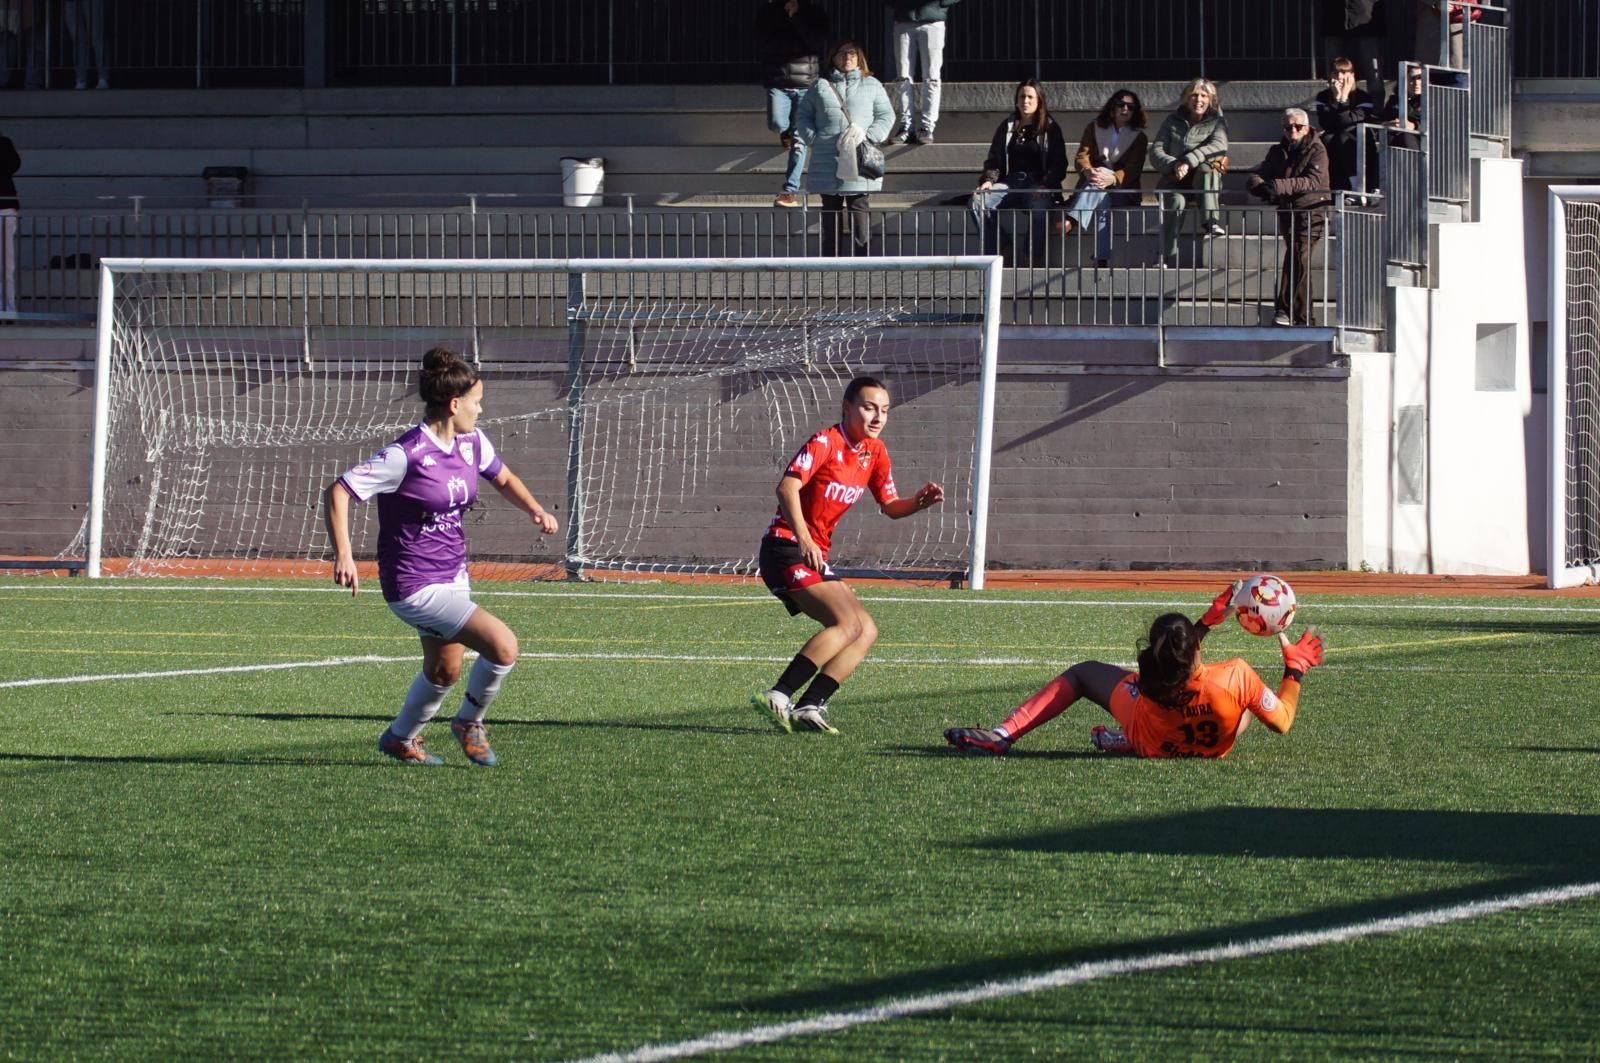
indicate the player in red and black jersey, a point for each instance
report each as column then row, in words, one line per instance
column 835, row 467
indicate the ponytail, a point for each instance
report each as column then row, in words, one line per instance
column 1167, row 659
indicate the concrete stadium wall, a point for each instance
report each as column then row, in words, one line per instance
column 1099, row 466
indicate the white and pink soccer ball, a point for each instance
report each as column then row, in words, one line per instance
column 1264, row 605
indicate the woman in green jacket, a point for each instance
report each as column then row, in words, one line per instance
column 1190, row 152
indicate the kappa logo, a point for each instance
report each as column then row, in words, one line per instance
column 798, row 573
column 428, row 462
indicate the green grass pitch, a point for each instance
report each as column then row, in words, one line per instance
column 218, row 863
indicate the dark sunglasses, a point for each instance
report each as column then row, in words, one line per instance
column 1123, row 103
column 1296, row 125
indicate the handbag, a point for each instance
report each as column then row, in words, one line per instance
column 869, row 160
column 870, row 163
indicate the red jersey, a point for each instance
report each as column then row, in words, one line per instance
column 832, row 475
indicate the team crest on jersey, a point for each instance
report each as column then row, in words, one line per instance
column 863, row 458
column 466, row 452
column 1269, row 701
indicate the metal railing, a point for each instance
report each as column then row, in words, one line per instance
column 1555, row 39
column 1056, row 279
column 1488, row 57
column 167, row 43
column 1362, row 276
column 179, row 43
column 1446, row 123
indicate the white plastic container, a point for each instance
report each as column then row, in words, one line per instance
column 583, row 181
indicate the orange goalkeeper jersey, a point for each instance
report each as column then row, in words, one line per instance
column 1206, row 727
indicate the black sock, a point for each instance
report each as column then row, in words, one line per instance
column 820, row 690
column 794, row 677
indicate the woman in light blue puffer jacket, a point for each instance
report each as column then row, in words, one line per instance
column 849, row 95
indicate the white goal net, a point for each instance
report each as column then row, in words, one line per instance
column 651, row 406
column 1574, row 387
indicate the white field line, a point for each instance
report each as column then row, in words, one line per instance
column 336, row 662
column 689, row 658
column 964, row 598
column 726, row 1040
column 328, row 662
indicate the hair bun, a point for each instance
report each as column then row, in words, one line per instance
column 439, row 359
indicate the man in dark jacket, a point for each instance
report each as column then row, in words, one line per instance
column 1294, row 177
column 791, row 36
column 10, row 163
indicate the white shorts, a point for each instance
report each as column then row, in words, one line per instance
column 439, row 610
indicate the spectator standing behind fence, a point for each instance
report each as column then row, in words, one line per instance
column 1022, row 176
column 1294, row 178
column 1357, row 28
column 792, row 36
column 10, row 163
column 22, row 34
column 1110, row 164
column 848, row 97
column 1190, row 151
column 918, row 44
column 86, row 23
column 1341, row 108
column 1431, row 23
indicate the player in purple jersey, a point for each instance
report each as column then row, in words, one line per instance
column 424, row 481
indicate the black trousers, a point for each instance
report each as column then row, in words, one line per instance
column 847, row 214
column 1301, row 232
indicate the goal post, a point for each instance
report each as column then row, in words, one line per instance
column 652, row 401
column 1574, row 386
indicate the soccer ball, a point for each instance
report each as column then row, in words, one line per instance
column 1264, row 605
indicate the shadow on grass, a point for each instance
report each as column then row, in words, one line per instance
column 1559, row 749
column 1516, row 839
column 1537, row 851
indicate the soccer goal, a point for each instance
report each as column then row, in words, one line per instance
column 651, row 403
column 1574, row 386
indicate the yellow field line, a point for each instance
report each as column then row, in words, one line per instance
column 1497, row 637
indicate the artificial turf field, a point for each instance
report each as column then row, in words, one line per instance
column 216, row 862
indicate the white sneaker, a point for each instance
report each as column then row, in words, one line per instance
column 1282, row 319
column 1111, row 741
column 773, row 707
column 813, row 718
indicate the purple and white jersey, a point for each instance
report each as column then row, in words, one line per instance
column 423, row 486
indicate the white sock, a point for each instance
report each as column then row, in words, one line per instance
column 483, row 683
column 422, row 703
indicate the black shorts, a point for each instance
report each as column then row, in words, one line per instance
column 783, row 569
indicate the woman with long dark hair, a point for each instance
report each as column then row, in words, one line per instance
column 1022, row 176
column 1175, row 705
column 1110, row 164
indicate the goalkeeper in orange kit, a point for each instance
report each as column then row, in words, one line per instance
column 1175, row 705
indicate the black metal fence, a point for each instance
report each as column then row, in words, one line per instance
column 222, row 43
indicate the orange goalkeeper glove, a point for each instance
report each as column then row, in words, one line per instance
column 1300, row 657
column 1221, row 605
